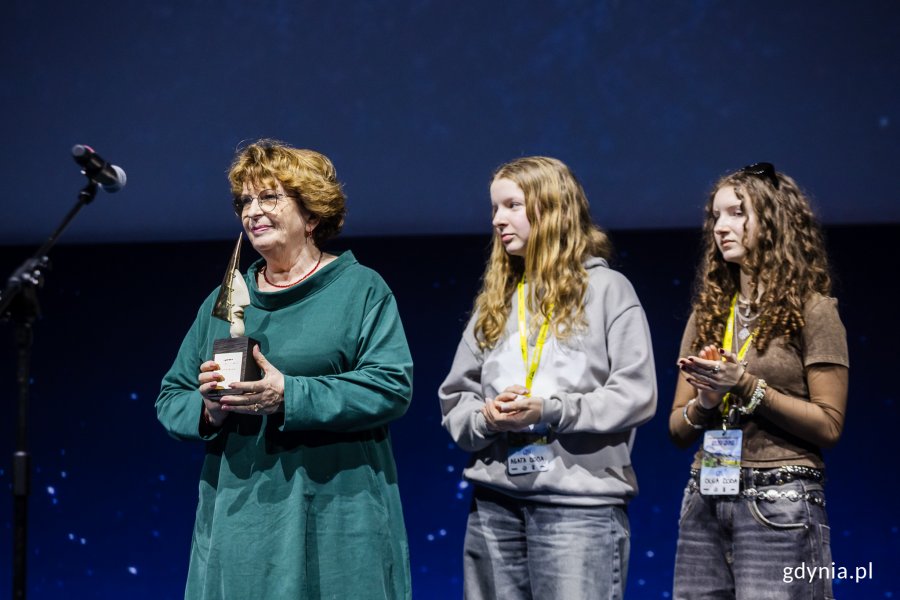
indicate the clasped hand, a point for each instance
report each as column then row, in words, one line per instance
column 713, row 372
column 263, row 397
column 512, row 409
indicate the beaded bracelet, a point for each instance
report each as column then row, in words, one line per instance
column 686, row 419
column 758, row 394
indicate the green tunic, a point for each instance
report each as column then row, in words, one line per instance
column 303, row 504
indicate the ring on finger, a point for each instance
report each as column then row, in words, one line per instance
column 716, row 369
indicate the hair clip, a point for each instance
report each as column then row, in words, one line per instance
column 763, row 169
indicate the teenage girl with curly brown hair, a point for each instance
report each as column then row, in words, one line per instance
column 764, row 383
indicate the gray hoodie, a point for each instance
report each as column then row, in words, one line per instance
column 597, row 386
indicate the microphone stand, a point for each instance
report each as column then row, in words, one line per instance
column 19, row 303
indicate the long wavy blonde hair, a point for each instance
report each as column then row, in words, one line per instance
column 562, row 237
column 787, row 260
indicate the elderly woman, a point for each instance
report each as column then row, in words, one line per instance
column 298, row 492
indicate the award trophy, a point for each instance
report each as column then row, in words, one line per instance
column 234, row 355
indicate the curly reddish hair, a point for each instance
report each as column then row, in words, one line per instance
column 306, row 174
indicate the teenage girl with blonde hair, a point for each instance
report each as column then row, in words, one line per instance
column 553, row 374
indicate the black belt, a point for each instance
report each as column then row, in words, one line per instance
column 776, row 476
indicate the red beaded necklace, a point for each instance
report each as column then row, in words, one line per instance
column 265, row 268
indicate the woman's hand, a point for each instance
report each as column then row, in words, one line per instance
column 511, row 410
column 263, row 397
column 713, row 373
column 209, row 379
column 705, row 398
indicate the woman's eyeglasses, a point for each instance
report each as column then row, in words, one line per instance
column 267, row 199
column 763, row 169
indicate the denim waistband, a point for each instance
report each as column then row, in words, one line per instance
column 751, row 478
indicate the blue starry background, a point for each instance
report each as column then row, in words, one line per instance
column 417, row 102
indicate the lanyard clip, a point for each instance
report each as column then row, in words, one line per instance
column 731, row 419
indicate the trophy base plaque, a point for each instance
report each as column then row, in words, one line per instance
column 236, row 363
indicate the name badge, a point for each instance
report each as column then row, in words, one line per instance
column 720, row 470
column 536, row 456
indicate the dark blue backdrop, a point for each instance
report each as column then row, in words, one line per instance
column 418, row 100
column 114, row 496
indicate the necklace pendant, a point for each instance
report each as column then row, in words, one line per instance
column 743, row 334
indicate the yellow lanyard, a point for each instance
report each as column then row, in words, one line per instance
column 727, row 343
column 530, row 368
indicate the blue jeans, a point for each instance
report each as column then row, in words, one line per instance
column 516, row 549
column 738, row 547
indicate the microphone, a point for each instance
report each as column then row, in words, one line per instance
column 110, row 177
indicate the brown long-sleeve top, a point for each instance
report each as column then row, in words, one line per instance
column 805, row 401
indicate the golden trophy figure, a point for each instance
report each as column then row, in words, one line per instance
column 234, row 355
